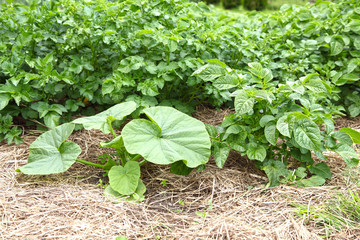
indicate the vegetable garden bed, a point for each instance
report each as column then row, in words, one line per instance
column 137, row 70
column 229, row 203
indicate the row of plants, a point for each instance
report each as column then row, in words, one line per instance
column 287, row 75
column 277, row 126
column 62, row 58
column 257, row 5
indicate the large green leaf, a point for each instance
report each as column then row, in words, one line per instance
column 336, row 46
column 170, row 136
column 125, row 180
column 342, row 137
column 307, row 134
column 210, row 72
column 100, row 120
column 348, row 154
column 49, row 153
column 355, row 135
column 226, row 82
column 316, row 85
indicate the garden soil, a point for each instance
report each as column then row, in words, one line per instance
column 228, row 203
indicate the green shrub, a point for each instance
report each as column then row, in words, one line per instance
column 228, row 4
column 212, row 1
column 257, row 5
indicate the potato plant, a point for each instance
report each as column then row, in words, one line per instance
column 279, row 125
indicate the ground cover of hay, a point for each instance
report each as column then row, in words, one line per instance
column 228, row 203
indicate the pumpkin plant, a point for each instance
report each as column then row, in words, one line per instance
column 166, row 137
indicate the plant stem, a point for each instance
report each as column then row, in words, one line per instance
column 123, row 161
column 136, row 157
column 142, row 162
column 111, row 128
column 90, row 163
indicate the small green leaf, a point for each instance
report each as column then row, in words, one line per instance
column 313, row 181
column 4, row 100
column 115, row 197
column 307, row 134
column 116, row 143
column 121, row 238
column 211, row 130
column 283, row 126
column 210, row 72
column 233, row 129
column 237, row 142
column 265, row 119
column 257, row 152
column 51, row 120
column 255, row 68
column 346, row 79
column 225, row 82
column 301, row 156
column 321, row 169
column 316, row 85
column 271, row 133
column 221, row 153
column 125, row 180
column 180, row 168
column 300, row 172
column 274, row 170
column 342, row 137
column 243, row 103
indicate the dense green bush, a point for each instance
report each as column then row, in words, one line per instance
column 290, row 74
column 59, row 56
column 228, row 4
column 212, row 1
column 257, row 5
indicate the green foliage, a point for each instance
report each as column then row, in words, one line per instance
column 212, row 1
column 287, row 74
column 228, row 4
column 257, row 5
column 9, row 132
column 336, row 214
column 50, row 153
column 279, row 125
column 59, row 56
column 169, row 137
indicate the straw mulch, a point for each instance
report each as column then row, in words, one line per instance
column 229, row 203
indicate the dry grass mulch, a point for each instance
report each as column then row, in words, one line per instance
column 229, row 203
